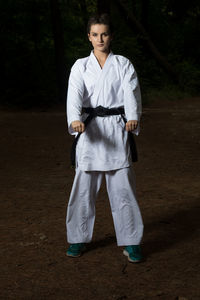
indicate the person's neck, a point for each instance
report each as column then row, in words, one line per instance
column 101, row 56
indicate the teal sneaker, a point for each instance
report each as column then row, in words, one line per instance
column 75, row 250
column 134, row 253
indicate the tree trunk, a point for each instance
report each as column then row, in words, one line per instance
column 134, row 23
column 35, row 33
column 59, row 48
column 3, row 74
column 145, row 13
column 84, row 13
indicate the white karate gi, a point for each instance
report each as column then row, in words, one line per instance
column 103, row 148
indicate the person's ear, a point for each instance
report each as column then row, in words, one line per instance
column 89, row 37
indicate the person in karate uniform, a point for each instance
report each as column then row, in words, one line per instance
column 109, row 81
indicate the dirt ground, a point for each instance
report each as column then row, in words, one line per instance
column 35, row 182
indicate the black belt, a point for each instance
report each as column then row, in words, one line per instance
column 101, row 111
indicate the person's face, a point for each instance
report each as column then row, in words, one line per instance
column 100, row 37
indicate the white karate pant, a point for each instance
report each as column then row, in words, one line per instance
column 122, row 195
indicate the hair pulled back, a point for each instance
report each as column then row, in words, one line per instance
column 99, row 19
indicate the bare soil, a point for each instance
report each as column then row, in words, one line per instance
column 35, row 182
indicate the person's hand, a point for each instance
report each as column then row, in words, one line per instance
column 131, row 125
column 78, row 126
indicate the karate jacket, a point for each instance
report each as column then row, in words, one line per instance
column 103, row 146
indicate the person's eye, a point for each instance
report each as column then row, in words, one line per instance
column 94, row 34
column 106, row 34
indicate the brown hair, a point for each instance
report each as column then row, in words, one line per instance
column 99, row 19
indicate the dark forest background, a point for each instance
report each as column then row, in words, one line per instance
column 41, row 39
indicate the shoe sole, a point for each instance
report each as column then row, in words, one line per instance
column 129, row 259
column 71, row 255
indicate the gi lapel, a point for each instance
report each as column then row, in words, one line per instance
column 102, row 73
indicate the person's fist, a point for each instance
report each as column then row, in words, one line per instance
column 131, row 125
column 78, row 126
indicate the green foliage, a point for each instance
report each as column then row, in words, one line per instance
column 169, row 92
column 27, row 52
column 27, row 61
column 91, row 6
column 189, row 76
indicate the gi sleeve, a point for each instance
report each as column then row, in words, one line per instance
column 132, row 95
column 74, row 96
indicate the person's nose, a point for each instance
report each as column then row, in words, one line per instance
column 100, row 39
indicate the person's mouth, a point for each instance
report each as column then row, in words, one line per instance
column 100, row 45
